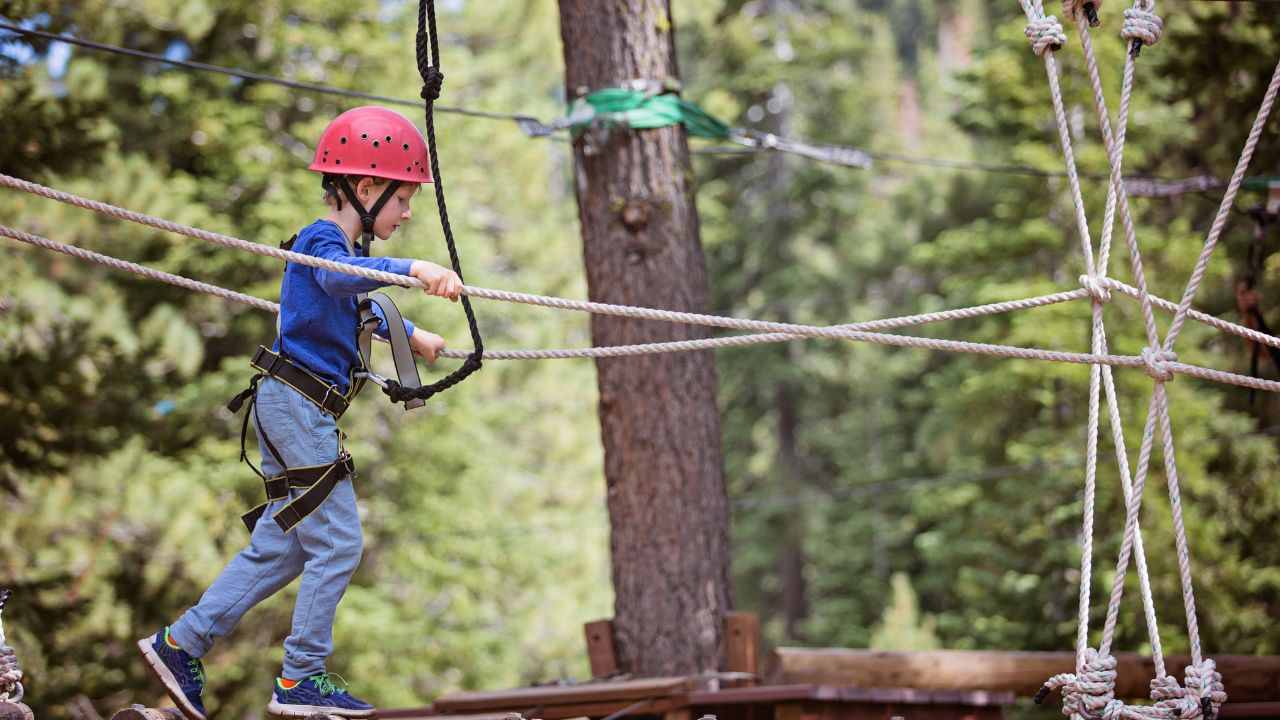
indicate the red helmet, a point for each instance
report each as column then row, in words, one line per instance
column 373, row 141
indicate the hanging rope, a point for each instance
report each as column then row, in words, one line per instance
column 432, row 80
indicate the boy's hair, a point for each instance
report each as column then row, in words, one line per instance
column 333, row 196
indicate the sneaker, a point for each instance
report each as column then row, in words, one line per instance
column 181, row 674
column 317, row 695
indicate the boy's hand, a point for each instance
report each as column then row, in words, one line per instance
column 426, row 344
column 437, row 280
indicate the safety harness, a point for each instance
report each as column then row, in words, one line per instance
column 317, row 481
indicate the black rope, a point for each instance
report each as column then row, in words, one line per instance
column 428, row 55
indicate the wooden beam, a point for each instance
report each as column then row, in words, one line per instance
column 600, row 650
column 1248, row 678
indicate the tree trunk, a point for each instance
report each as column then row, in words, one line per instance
column 658, row 418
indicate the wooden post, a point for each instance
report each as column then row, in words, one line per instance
column 600, row 653
column 659, row 421
column 742, row 645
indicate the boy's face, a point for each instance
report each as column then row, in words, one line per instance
column 395, row 212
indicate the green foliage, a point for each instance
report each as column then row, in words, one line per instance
column 902, row 627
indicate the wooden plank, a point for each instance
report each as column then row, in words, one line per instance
column 621, row 693
column 1247, row 678
column 742, row 642
column 600, row 650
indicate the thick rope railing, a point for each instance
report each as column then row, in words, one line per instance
column 564, row 304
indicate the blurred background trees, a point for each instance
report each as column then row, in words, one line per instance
column 486, row 534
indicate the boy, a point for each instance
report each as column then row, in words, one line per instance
column 373, row 161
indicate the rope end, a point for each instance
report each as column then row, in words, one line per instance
column 1091, row 14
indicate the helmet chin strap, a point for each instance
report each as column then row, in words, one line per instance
column 366, row 216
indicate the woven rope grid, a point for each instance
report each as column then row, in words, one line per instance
column 1090, row 691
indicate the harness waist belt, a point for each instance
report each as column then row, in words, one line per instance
column 317, row 480
column 324, row 395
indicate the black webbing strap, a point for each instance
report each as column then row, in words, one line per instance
column 317, row 480
column 325, row 395
column 367, row 216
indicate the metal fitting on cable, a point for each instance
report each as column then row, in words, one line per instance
column 1097, row 288
column 1157, row 363
column 1142, row 26
column 1045, row 33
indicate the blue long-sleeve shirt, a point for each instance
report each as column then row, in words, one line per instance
column 318, row 313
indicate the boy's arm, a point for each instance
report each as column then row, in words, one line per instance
column 340, row 284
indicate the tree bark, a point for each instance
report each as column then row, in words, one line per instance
column 659, row 422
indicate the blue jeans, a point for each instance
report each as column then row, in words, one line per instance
column 325, row 548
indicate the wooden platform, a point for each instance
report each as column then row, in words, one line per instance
column 677, row 699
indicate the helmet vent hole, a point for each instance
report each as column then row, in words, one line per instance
column 342, row 140
column 408, row 169
column 339, row 162
column 375, row 143
column 406, row 146
column 373, row 165
column 388, row 138
column 364, row 136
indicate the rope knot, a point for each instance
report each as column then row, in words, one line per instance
column 432, row 82
column 10, row 674
column 1045, row 33
column 1096, row 287
column 1205, row 689
column 1157, row 363
column 1089, row 692
column 1142, row 24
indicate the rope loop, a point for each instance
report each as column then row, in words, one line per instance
column 1097, row 288
column 1045, row 33
column 432, row 82
column 1142, row 25
column 1157, row 363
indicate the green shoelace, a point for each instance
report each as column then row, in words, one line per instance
column 324, row 683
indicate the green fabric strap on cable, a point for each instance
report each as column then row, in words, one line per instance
column 643, row 111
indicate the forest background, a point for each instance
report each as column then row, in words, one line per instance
column 882, row 497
